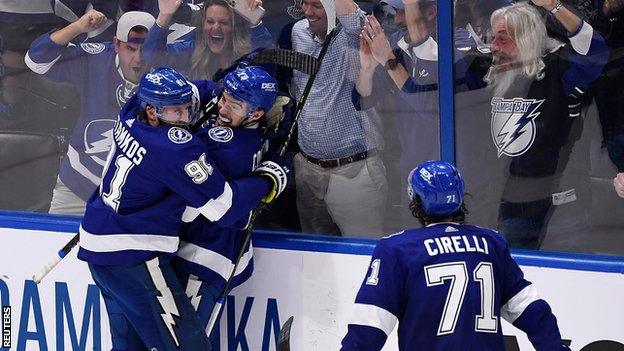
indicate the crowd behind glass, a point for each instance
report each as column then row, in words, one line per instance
column 371, row 116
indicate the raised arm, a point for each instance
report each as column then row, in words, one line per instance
column 364, row 84
column 166, row 10
column 570, row 21
column 90, row 21
column 52, row 55
column 382, row 52
column 344, row 7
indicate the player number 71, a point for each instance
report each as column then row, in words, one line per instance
column 457, row 274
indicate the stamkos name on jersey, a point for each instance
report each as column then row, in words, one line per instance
column 126, row 143
column 456, row 243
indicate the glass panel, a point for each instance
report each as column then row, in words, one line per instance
column 534, row 144
column 36, row 116
column 398, row 125
column 360, row 133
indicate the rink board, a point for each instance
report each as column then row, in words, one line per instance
column 312, row 278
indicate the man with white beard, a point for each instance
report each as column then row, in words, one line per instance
column 537, row 85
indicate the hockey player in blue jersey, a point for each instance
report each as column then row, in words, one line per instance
column 447, row 284
column 129, row 233
column 234, row 138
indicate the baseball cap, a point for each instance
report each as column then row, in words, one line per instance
column 132, row 19
column 399, row 5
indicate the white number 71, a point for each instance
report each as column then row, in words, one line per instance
column 457, row 273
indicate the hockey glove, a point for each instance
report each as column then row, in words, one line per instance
column 279, row 179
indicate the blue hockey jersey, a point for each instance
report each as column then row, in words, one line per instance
column 447, row 286
column 208, row 250
column 93, row 70
column 151, row 175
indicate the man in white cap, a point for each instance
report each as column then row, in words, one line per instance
column 105, row 76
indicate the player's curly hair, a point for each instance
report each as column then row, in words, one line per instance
column 142, row 116
column 425, row 219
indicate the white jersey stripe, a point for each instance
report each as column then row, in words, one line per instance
column 582, row 40
column 213, row 260
column 119, row 242
column 216, row 208
column 517, row 304
column 373, row 316
column 74, row 161
column 39, row 68
column 189, row 215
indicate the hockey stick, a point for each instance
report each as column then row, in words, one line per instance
column 287, row 58
column 283, row 341
column 247, row 235
column 37, row 277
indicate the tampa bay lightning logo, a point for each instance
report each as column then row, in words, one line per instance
column 179, row 135
column 93, row 48
column 98, row 138
column 124, row 92
column 513, row 124
column 221, row 134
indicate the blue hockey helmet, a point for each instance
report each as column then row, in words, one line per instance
column 439, row 186
column 166, row 87
column 253, row 85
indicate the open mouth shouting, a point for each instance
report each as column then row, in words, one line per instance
column 216, row 42
column 223, row 121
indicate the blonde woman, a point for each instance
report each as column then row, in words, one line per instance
column 221, row 36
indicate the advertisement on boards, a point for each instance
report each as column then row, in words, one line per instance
column 66, row 311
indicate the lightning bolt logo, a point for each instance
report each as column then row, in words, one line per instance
column 166, row 300
column 98, row 138
column 192, row 291
column 513, row 124
column 102, row 145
